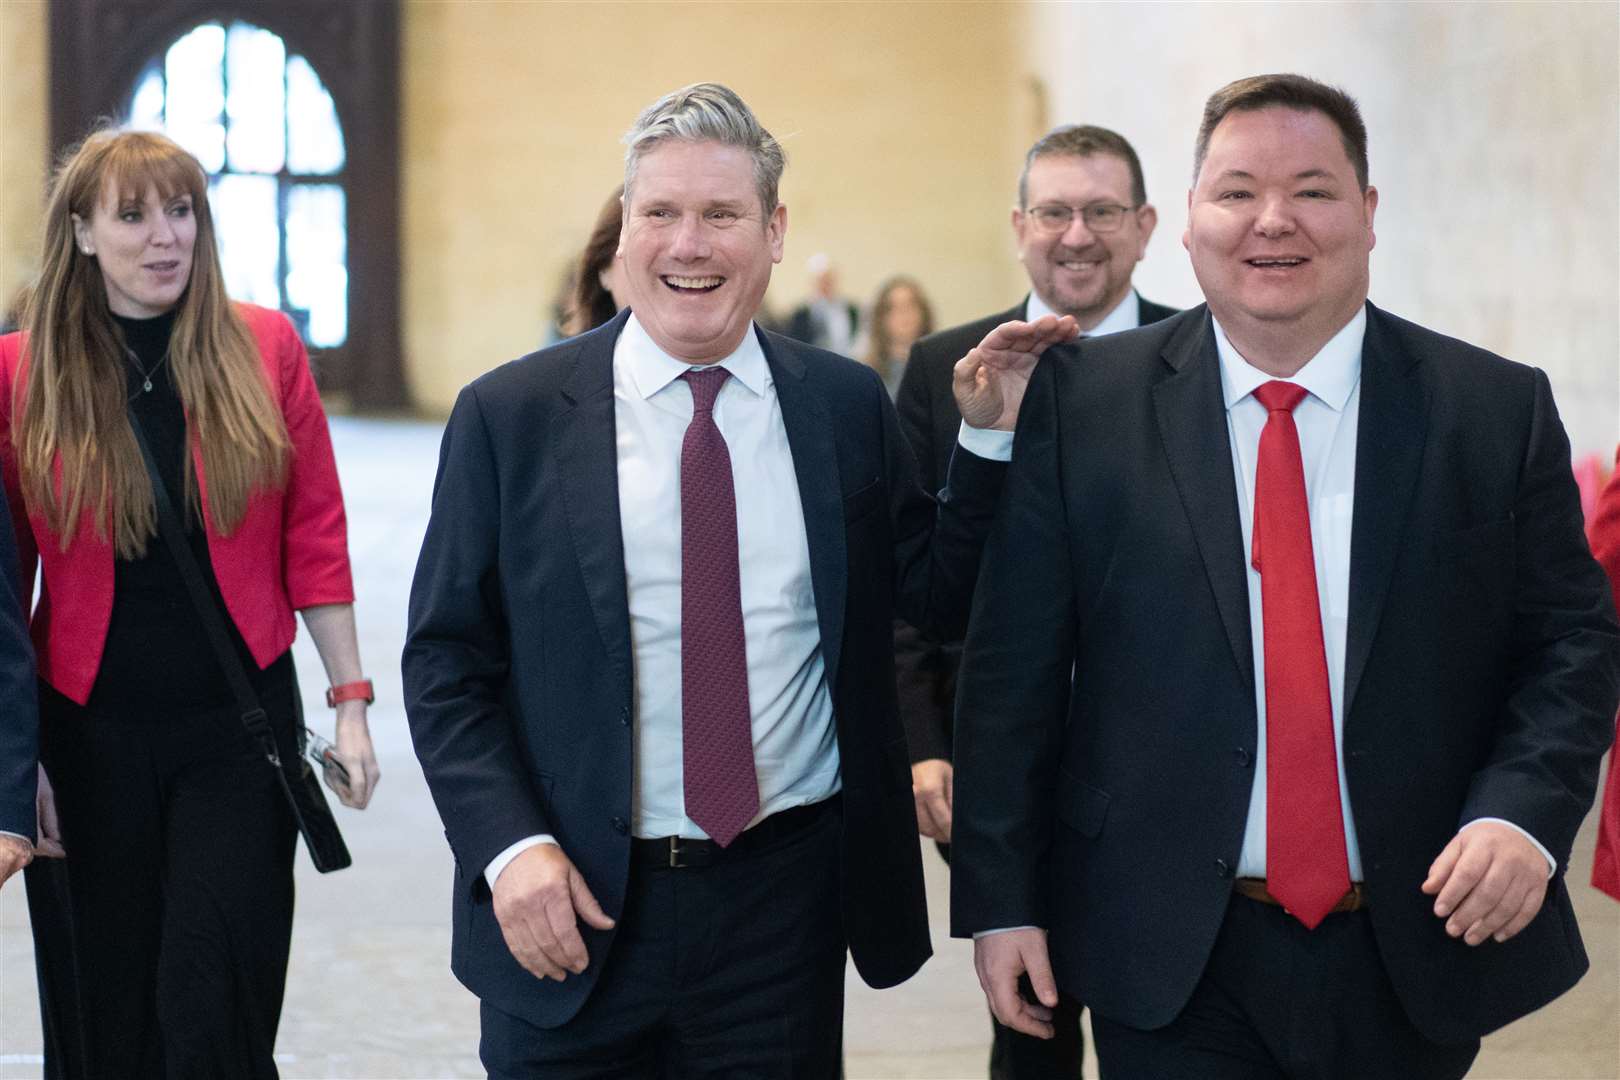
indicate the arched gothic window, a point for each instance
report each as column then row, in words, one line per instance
column 266, row 129
column 294, row 108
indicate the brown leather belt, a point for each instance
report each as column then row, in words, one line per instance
column 1255, row 889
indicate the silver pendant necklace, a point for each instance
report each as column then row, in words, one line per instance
column 146, row 376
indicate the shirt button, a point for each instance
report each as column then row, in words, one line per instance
column 1223, row 868
column 621, row 826
column 1243, row 756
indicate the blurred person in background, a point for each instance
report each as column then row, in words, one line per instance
column 167, row 955
column 597, row 297
column 1082, row 222
column 900, row 315
column 826, row 320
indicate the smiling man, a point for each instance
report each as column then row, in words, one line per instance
column 1289, row 671
column 1082, row 222
column 648, row 671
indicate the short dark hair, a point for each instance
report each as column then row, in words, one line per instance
column 1291, row 92
column 1083, row 140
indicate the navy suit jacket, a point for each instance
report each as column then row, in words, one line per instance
column 518, row 661
column 1106, row 729
column 19, row 701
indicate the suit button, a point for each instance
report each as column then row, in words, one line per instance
column 621, row 826
column 1223, row 868
column 624, row 715
column 1243, row 757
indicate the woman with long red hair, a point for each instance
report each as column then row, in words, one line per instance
column 168, row 954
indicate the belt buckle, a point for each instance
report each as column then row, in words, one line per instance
column 675, row 853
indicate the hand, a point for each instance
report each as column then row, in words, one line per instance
column 931, row 782
column 536, row 899
column 1489, row 882
column 355, row 753
column 1000, row 959
column 989, row 382
column 15, row 853
column 50, row 826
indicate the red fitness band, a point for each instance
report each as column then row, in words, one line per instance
column 351, row 691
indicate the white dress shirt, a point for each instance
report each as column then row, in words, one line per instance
column 1127, row 314
column 1328, row 420
column 795, row 744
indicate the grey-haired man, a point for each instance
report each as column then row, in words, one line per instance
column 648, row 669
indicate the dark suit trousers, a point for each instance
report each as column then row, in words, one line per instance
column 732, row 970
column 1279, row 1002
column 170, row 957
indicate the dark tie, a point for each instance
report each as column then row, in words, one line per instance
column 717, row 738
column 1306, row 866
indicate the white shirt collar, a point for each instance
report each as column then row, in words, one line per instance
column 1127, row 314
column 1329, row 376
column 651, row 368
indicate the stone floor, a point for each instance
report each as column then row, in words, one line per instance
column 370, row 992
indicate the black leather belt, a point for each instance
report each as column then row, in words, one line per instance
column 675, row 852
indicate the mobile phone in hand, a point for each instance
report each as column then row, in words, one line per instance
column 324, row 754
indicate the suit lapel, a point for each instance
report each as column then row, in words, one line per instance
column 584, row 442
column 1389, row 452
column 815, row 463
column 1192, row 425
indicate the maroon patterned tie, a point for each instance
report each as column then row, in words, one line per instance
column 717, row 738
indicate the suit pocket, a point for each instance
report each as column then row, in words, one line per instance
column 859, row 504
column 1081, row 807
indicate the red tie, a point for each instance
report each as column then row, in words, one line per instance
column 1306, row 866
column 717, row 737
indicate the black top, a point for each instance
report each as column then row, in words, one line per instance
column 157, row 657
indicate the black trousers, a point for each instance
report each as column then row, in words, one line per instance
column 1279, row 1002
column 162, row 938
column 731, row 970
column 1016, row 1056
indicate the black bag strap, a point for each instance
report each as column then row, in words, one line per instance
column 254, row 718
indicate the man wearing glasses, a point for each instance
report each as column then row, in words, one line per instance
column 1082, row 224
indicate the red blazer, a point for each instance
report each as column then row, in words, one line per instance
column 1604, row 533
column 290, row 550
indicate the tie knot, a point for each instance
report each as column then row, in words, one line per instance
column 705, row 386
column 1279, row 396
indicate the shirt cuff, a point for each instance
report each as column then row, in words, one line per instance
column 987, row 443
column 500, row 862
column 977, row 934
column 1552, row 863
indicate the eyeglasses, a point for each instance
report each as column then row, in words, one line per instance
column 1099, row 217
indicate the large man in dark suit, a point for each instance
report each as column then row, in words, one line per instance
column 1289, row 669
column 1082, row 223
column 648, row 670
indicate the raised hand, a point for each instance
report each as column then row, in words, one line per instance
column 989, row 381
